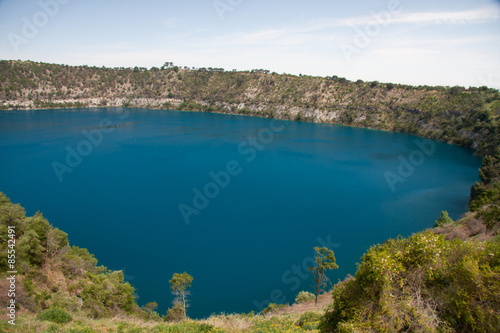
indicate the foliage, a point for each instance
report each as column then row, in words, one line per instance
column 468, row 117
column 309, row 320
column 488, row 191
column 420, row 283
column 63, row 300
column 304, row 296
column 55, row 315
column 149, row 309
column 324, row 261
column 443, row 220
column 106, row 292
column 272, row 307
column 77, row 261
column 40, row 246
column 490, row 216
column 485, row 196
column 179, row 284
column 185, row 327
column 276, row 325
column 176, row 313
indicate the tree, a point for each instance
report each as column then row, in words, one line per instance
column 167, row 65
column 324, row 261
column 107, row 294
column 30, row 248
column 490, row 216
column 304, row 296
column 56, row 241
column 150, row 308
column 176, row 313
column 444, row 219
column 179, row 284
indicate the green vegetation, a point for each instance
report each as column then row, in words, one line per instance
column 55, row 274
column 150, row 308
column 442, row 280
column 485, row 196
column 304, row 296
column 273, row 307
column 324, row 260
column 55, row 315
column 467, row 117
column 61, row 289
column 422, row 283
column 443, row 220
column 179, row 284
column 309, row 320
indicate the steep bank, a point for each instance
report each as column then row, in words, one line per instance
column 472, row 122
column 467, row 117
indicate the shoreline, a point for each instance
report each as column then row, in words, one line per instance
column 229, row 112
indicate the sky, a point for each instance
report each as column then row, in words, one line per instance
column 416, row 42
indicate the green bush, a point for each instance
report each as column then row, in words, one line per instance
column 107, row 294
column 81, row 330
column 60, row 299
column 304, row 296
column 422, row 283
column 185, row 327
column 272, row 307
column 55, row 315
column 443, row 220
column 309, row 320
column 52, row 329
column 175, row 313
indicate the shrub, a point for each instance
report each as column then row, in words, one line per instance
column 107, row 294
column 491, row 216
column 304, row 296
column 185, row 327
column 443, row 220
column 272, row 307
column 55, row 315
column 60, row 299
column 176, row 313
column 82, row 330
column 422, row 283
column 309, row 320
column 52, row 329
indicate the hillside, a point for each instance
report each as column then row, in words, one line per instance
column 468, row 117
column 447, row 279
column 442, row 280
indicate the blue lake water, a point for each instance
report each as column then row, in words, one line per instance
column 265, row 193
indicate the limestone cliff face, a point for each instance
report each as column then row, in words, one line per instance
column 467, row 117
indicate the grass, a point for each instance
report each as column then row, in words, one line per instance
column 287, row 319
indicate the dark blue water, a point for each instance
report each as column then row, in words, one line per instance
column 282, row 188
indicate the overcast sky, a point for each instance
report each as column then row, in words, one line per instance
column 438, row 42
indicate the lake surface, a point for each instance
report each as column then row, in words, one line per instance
column 237, row 202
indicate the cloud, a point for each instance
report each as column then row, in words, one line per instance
column 445, row 17
column 477, row 15
column 319, row 31
column 171, row 22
